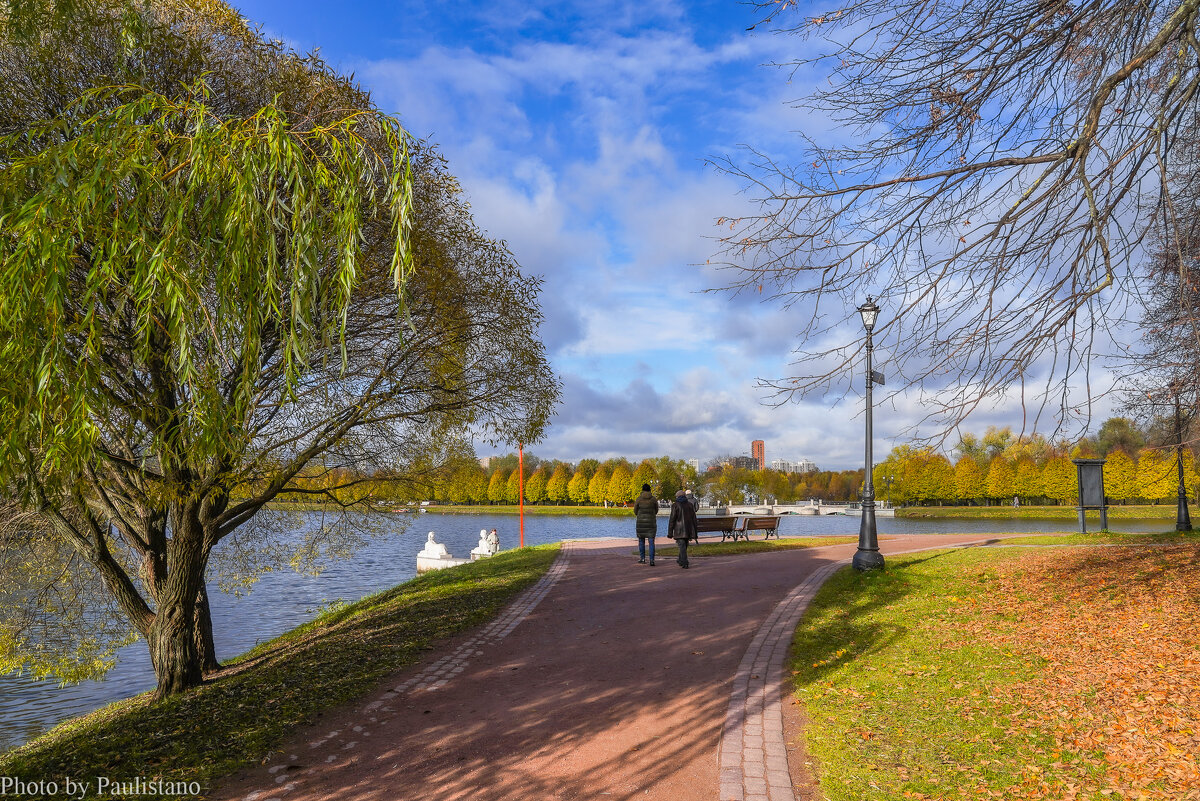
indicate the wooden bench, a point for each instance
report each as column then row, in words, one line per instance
column 768, row 524
column 726, row 525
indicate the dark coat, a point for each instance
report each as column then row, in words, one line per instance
column 683, row 511
column 646, row 509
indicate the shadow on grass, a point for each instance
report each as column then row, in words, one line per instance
column 839, row 625
column 237, row 716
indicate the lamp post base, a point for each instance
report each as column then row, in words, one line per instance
column 867, row 560
column 1183, row 520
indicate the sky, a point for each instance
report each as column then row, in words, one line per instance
column 583, row 134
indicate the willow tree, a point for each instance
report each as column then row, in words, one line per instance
column 224, row 267
column 992, row 174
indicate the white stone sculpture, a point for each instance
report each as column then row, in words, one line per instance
column 435, row 556
column 489, row 544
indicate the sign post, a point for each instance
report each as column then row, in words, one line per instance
column 1091, row 491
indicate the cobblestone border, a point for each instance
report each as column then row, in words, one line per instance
column 752, row 757
column 340, row 744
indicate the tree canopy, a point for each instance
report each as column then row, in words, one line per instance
column 225, row 272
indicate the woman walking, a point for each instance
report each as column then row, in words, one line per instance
column 682, row 526
column 646, row 509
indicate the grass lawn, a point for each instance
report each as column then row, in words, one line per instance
column 239, row 717
column 1030, row 673
column 1104, row 538
column 1162, row 511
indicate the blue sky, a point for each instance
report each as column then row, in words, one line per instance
column 580, row 133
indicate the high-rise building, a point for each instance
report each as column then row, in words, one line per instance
column 797, row 466
column 758, row 451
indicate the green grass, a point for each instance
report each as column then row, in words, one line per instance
column 754, row 546
column 1164, row 511
column 1105, row 538
column 902, row 701
column 891, row 710
column 290, row 681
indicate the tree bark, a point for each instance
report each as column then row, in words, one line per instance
column 173, row 650
column 173, row 635
column 206, row 649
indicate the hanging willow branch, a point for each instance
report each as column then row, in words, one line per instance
column 195, row 230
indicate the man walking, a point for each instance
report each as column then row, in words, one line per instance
column 646, row 509
column 682, row 525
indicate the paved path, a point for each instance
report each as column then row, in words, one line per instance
column 606, row 680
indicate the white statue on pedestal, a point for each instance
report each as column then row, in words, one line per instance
column 489, row 544
column 434, row 549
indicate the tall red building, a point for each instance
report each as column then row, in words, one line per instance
column 758, row 451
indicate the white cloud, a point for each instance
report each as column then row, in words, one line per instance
column 586, row 154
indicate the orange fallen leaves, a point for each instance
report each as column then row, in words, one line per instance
column 1118, row 629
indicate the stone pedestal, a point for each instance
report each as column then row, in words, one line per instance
column 434, row 556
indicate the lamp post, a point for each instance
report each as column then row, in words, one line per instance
column 867, row 557
column 1183, row 520
column 887, row 480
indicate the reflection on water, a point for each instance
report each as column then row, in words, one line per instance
column 282, row 600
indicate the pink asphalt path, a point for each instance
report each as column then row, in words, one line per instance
column 608, row 680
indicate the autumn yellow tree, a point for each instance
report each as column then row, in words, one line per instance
column 939, row 479
column 577, row 487
column 1156, row 475
column 1000, row 479
column 1027, row 479
column 645, row 474
column 535, row 486
column 498, row 486
column 1120, row 476
column 556, row 485
column 619, row 485
column 968, row 480
column 1059, row 478
column 512, row 490
column 598, row 486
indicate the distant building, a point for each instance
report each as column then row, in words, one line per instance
column 743, row 462
column 797, row 466
column 758, row 452
column 486, row 461
column 695, row 463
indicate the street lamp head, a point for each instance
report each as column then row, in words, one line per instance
column 869, row 312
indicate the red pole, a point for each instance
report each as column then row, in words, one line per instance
column 521, row 485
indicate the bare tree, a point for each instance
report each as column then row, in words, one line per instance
column 997, row 169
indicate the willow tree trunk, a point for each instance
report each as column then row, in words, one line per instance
column 206, row 650
column 173, row 634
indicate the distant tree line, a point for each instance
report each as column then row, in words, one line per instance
column 980, row 470
column 1140, row 466
column 461, row 479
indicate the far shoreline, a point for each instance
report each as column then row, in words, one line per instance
column 1131, row 512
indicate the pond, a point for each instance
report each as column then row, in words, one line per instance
column 281, row 600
